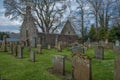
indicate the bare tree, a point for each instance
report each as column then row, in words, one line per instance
column 95, row 5
column 82, row 9
column 46, row 12
column 105, row 13
column 116, row 17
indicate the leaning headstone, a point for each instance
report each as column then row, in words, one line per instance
column 20, row 51
column 77, row 49
column 39, row 49
column 81, row 67
column 32, row 56
column 99, row 52
column 59, row 64
column 117, row 69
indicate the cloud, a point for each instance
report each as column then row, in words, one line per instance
column 7, row 25
column 10, row 29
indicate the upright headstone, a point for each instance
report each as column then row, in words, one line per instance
column 59, row 48
column 39, row 49
column 77, row 49
column 15, row 49
column 33, row 44
column 56, row 41
column 59, row 64
column 11, row 48
column 116, row 47
column 117, row 43
column 49, row 47
column 102, row 43
column 22, row 43
column 81, row 67
column 4, row 43
column 117, row 69
column 20, row 51
column 32, row 56
column 99, row 52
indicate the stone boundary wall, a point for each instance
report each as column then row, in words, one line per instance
column 50, row 39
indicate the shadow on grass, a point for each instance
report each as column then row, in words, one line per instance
column 67, row 76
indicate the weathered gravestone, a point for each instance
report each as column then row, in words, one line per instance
column 32, row 56
column 39, row 48
column 117, row 43
column 102, row 43
column 59, row 47
column 11, row 48
column 59, row 64
column 56, row 42
column 20, row 51
column 49, row 47
column 110, row 45
column 4, row 43
column 22, row 43
column 33, row 44
column 15, row 49
column 81, row 67
column 77, row 49
column 117, row 69
column 116, row 47
column 99, row 52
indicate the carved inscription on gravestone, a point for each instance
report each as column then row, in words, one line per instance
column 59, row 64
column 117, row 69
column 81, row 67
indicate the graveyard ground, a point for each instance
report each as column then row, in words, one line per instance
column 12, row 68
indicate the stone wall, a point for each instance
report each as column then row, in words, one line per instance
column 50, row 39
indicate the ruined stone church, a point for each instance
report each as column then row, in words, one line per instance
column 29, row 31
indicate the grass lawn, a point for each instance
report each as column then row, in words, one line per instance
column 12, row 68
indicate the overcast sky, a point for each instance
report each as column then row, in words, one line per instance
column 5, row 23
column 14, row 26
